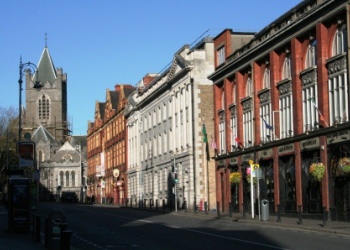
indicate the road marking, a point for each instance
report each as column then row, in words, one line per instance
column 199, row 232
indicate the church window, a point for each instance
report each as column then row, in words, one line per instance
column 44, row 107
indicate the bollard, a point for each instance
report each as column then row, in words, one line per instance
column 300, row 215
column 150, row 203
column 324, row 216
column 65, row 240
column 206, row 207
column 218, row 208
column 278, row 212
column 46, row 232
column 195, row 207
column 156, row 204
column 185, row 204
column 37, row 228
column 163, row 205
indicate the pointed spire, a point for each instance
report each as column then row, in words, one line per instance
column 46, row 68
column 45, row 40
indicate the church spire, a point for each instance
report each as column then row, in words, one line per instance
column 45, row 40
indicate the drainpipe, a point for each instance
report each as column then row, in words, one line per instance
column 194, row 147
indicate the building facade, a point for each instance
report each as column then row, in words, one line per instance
column 106, row 149
column 168, row 159
column 282, row 102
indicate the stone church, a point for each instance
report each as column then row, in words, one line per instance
column 61, row 157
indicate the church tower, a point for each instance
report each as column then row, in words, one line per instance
column 47, row 105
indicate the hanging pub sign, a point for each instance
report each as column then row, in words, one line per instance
column 26, row 152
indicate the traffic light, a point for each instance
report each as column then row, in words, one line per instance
column 175, row 178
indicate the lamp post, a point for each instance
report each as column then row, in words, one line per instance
column 25, row 67
column 78, row 148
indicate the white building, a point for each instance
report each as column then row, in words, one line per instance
column 165, row 117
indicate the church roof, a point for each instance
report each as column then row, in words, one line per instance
column 67, row 149
column 41, row 134
column 46, row 69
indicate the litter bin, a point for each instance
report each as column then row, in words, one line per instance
column 265, row 213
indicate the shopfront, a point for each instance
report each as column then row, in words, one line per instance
column 339, row 174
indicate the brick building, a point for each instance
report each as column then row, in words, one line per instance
column 106, row 145
column 282, row 101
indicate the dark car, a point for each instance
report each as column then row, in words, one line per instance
column 69, row 197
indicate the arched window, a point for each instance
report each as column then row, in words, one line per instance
column 223, row 100
column 249, row 87
column 340, row 41
column 234, row 94
column 311, row 56
column 67, row 179
column 44, row 107
column 287, row 68
column 73, row 178
column 266, row 80
column 61, row 178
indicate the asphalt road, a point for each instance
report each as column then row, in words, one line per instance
column 108, row 227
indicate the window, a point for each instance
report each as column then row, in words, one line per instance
column 287, row 68
column 222, row 137
column 248, row 127
column 223, row 100
column 338, row 80
column 266, row 80
column 310, row 107
column 338, row 98
column 286, row 115
column 311, row 56
column 340, row 41
column 233, row 128
column 234, row 92
column 266, row 129
column 44, row 107
column 221, row 55
column 249, row 87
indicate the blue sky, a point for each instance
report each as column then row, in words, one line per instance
column 100, row 43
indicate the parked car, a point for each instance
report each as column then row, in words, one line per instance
column 69, row 197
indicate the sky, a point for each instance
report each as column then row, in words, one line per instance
column 101, row 43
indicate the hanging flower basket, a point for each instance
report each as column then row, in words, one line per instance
column 254, row 179
column 317, row 170
column 344, row 165
column 235, row 177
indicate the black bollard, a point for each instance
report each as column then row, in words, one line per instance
column 324, row 216
column 278, row 212
column 206, row 207
column 65, row 239
column 185, row 204
column 37, row 228
column 46, row 231
column 218, row 209
column 156, row 204
column 300, row 215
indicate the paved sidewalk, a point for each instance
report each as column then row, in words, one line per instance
column 15, row 241
column 335, row 227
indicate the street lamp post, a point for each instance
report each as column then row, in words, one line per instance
column 25, row 67
column 78, row 148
